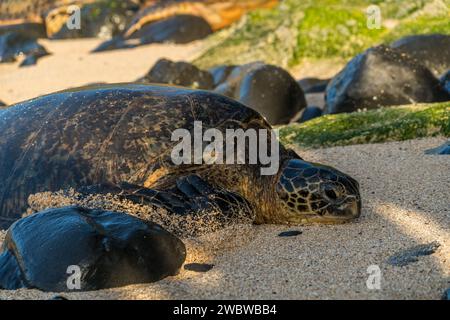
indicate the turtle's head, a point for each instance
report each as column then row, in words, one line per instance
column 310, row 192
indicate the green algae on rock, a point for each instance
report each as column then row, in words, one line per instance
column 297, row 30
column 386, row 124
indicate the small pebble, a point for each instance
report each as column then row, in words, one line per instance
column 198, row 267
column 292, row 233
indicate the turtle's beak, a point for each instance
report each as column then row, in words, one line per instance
column 346, row 210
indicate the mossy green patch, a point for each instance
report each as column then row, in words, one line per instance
column 334, row 32
column 386, row 124
column 263, row 35
column 297, row 30
column 420, row 25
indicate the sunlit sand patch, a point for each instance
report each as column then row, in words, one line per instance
column 421, row 228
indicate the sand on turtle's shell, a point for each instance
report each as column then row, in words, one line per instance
column 405, row 203
column 188, row 226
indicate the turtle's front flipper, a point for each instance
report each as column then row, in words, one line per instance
column 188, row 195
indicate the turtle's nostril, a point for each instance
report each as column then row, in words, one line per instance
column 353, row 209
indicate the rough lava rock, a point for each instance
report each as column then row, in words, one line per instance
column 431, row 50
column 14, row 44
column 46, row 249
column 379, row 77
column 180, row 74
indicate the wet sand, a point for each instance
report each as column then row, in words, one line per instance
column 405, row 203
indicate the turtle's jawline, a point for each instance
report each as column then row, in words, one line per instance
column 337, row 215
column 350, row 207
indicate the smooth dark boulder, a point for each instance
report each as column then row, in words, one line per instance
column 221, row 73
column 180, row 74
column 445, row 81
column 14, row 44
column 431, row 50
column 230, row 86
column 309, row 113
column 273, row 92
column 313, row 85
column 178, row 29
column 379, row 77
column 2, row 104
column 268, row 89
column 73, row 248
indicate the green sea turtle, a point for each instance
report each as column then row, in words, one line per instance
column 118, row 139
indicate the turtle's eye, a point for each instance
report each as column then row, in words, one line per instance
column 332, row 192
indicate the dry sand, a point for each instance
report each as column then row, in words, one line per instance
column 406, row 203
column 71, row 65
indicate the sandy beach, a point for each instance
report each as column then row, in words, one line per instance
column 72, row 65
column 405, row 204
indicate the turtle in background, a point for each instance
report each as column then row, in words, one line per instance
column 118, row 139
column 182, row 21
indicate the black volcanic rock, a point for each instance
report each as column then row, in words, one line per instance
column 107, row 249
column 431, row 50
column 379, row 77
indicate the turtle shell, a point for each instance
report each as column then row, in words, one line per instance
column 100, row 134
